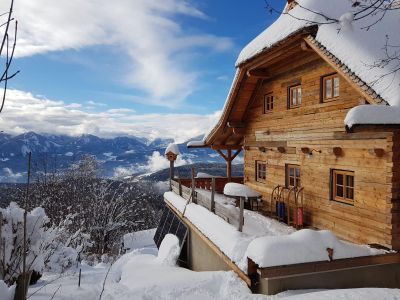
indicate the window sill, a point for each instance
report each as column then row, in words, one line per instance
column 330, row 99
column 345, row 202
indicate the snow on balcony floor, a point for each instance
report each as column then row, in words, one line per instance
column 255, row 224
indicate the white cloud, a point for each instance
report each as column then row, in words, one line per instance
column 93, row 103
column 122, row 172
column 157, row 162
column 10, row 176
column 26, row 112
column 147, row 32
column 120, row 111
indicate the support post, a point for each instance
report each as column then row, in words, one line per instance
column 171, row 173
column 241, row 214
column 212, row 195
column 228, row 158
column 229, row 165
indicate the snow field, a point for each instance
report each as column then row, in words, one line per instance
column 140, row 275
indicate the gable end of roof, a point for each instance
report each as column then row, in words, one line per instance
column 365, row 87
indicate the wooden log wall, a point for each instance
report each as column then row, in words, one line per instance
column 320, row 126
column 393, row 175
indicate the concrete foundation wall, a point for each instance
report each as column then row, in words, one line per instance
column 201, row 257
column 385, row 276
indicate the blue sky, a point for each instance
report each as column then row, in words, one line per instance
column 127, row 61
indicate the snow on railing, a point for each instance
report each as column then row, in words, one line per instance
column 207, row 192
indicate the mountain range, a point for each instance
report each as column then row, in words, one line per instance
column 119, row 156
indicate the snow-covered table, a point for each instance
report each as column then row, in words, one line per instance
column 243, row 193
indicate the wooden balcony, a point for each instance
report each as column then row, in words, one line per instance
column 208, row 192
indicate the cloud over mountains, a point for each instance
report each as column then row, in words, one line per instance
column 26, row 112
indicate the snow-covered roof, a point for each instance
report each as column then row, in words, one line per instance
column 196, row 144
column 239, row 190
column 303, row 246
column 203, row 175
column 348, row 41
column 373, row 115
column 172, row 148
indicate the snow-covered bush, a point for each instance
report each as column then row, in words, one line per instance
column 45, row 247
column 6, row 293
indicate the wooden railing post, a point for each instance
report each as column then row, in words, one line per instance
column 213, row 194
column 193, row 186
column 180, row 186
column 241, row 214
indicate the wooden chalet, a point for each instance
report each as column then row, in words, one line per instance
column 307, row 121
column 286, row 110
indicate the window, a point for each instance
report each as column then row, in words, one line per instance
column 261, row 170
column 268, row 103
column 330, row 87
column 343, row 186
column 292, row 175
column 295, row 96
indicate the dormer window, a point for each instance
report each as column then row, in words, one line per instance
column 330, row 86
column 295, row 96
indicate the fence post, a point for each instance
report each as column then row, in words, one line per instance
column 213, row 194
column 80, row 274
column 22, row 285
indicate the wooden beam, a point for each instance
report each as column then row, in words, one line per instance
column 305, row 47
column 226, row 147
column 252, row 100
column 259, row 73
column 236, row 154
column 290, row 44
column 239, row 130
column 236, row 124
column 222, row 154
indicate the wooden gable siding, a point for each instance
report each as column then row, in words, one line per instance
column 319, row 126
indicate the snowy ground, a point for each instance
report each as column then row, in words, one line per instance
column 146, row 274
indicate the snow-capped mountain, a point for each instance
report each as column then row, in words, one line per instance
column 126, row 155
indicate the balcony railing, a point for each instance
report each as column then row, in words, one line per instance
column 208, row 192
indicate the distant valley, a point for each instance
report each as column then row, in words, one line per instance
column 118, row 157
